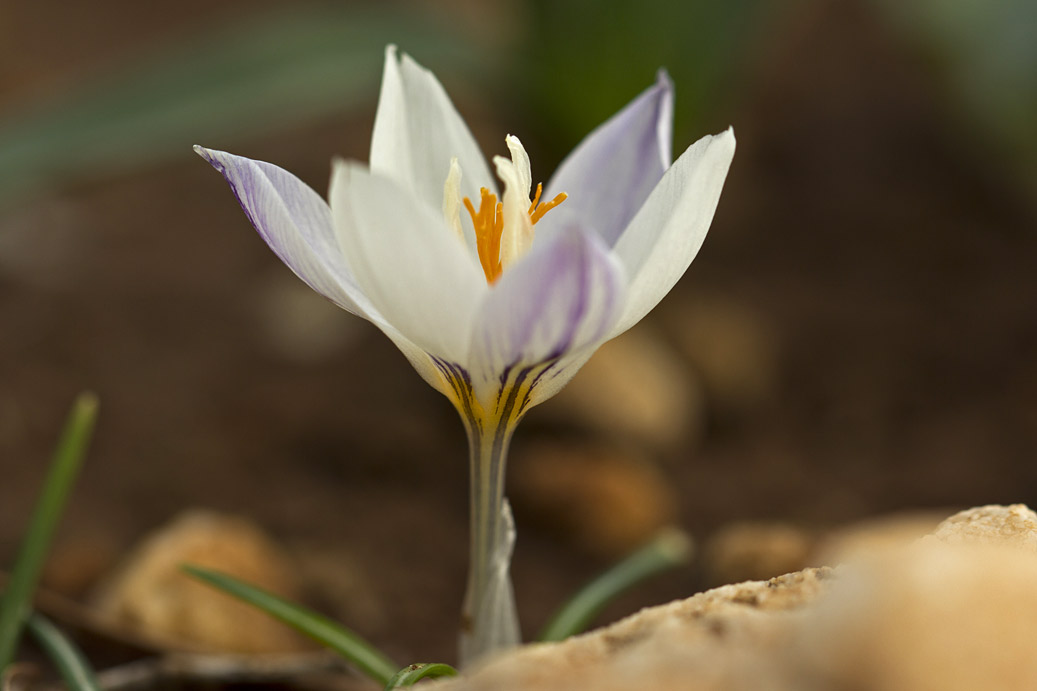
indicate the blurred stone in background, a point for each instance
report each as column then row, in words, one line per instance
column 151, row 594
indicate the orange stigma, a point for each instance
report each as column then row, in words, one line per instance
column 489, row 225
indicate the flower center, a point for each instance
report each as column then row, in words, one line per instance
column 489, row 225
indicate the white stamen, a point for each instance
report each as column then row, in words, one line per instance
column 521, row 160
column 452, row 199
column 517, row 236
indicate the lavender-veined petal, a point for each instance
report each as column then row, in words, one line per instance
column 667, row 233
column 296, row 223
column 563, row 296
column 417, row 131
column 407, row 261
column 614, row 169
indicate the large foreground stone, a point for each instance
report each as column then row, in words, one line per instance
column 956, row 610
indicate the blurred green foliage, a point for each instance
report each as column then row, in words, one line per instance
column 565, row 65
column 585, row 59
column 258, row 76
column 987, row 53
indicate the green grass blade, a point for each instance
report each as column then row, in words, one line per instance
column 15, row 605
column 671, row 548
column 411, row 674
column 331, row 634
column 74, row 669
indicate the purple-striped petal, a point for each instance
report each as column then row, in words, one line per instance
column 610, row 174
column 564, row 296
column 296, row 223
column 417, row 131
column 669, row 230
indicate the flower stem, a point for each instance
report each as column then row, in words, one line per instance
column 489, row 618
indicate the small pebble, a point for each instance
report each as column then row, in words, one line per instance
column 151, row 594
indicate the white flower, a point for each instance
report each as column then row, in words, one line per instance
column 496, row 304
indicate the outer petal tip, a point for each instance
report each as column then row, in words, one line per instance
column 211, row 156
column 663, row 80
column 667, row 233
column 610, row 174
column 724, row 144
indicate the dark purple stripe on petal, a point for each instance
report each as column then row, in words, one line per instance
column 563, row 296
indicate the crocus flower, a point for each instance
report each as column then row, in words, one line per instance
column 495, row 299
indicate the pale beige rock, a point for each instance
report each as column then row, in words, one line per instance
column 956, row 611
column 709, row 641
column 874, row 535
column 928, row 616
column 606, row 500
column 151, row 594
column 635, row 387
column 1014, row 525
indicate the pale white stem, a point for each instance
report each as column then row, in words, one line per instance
column 489, row 617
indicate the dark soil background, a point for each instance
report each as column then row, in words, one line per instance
column 885, row 252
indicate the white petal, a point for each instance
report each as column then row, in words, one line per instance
column 667, row 233
column 296, row 223
column 610, row 174
column 565, row 295
column 407, row 261
column 419, row 360
column 417, row 131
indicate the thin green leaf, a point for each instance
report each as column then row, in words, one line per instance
column 68, row 457
column 346, row 643
column 671, row 548
column 74, row 669
column 411, row 674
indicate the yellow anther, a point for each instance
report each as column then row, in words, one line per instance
column 536, row 198
column 537, row 210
